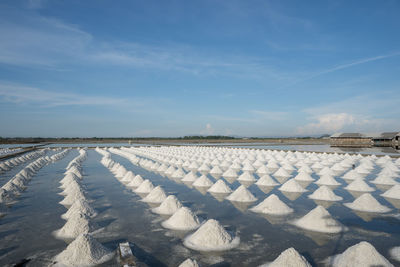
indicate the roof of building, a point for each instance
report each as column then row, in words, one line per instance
column 387, row 135
column 349, row 135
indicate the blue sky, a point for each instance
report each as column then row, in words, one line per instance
column 174, row 68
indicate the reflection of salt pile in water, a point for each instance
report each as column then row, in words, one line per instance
column 272, row 205
column 266, row 180
column 241, row 194
column 145, row 187
column 136, row 181
column 324, row 193
column 289, row 258
column 169, row 206
column 393, row 192
column 319, row 220
column 157, row 195
column 77, row 224
column 359, row 185
column 211, row 236
column 80, row 206
column 361, row 254
column 367, row 203
column 182, row 219
column 203, row 181
column 292, row 186
column 220, row 187
column 189, row 263
column 84, row 251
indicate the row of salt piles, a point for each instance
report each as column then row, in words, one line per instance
column 13, row 162
column 84, row 250
column 17, row 184
column 209, row 236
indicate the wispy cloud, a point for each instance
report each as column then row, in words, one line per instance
column 327, row 123
column 30, row 95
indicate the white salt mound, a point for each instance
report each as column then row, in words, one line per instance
column 157, row 195
column 367, row 203
column 395, row 253
column 328, row 180
column 292, row 186
column 190, row 177
column 189, row 263
column 145, row 187
column 246, row 177
column 289, row 258
column 361, row 254
column 211, row 236
column 183, row 219
column 72, row 197
column 359, row 185
column 136, row 181
column 304, row 177
column 76, row 225
column 324, row 193
column 393, row 192
column 272, row 205
column 82, row 207
column 319, row 220
column 267, row 180
column 241, row 194
column 84, row 251
column 169, row 206
column 220, row 187
column 203, row 181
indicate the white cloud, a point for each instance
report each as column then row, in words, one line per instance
column 209, row 130
column 327, row 123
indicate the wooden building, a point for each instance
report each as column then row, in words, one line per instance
column 351, row 140
column 386, row 139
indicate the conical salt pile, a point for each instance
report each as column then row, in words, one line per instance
column 183, row 219
column 76, row 225
column 241, row 194
column 77, row 194
column 157, row 195
column 352, row 175
column 267, row 180
column 136, row 181
column 190, row 177
column 203, row 181
column 230, row 174
column 220, row 187
column 216, row 172
column 304, row 177
column 80, row 206
column 292, row 186
column 367, row 203
column 359, row 185
column 145, row 187
column 272, row 205
column 289, row 258
column 246, row 177
column 189, row 263
column 169, row 206
column 281, row 175
column 384, row 180
column 211, row 236
column 127, row 177
column 393, row 192
column 324, row 193
column 319, row 220
column 361, row 254
column 327, row 180
column 84, row 251
column 178, row 174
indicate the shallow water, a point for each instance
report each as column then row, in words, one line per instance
column 26, row 231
